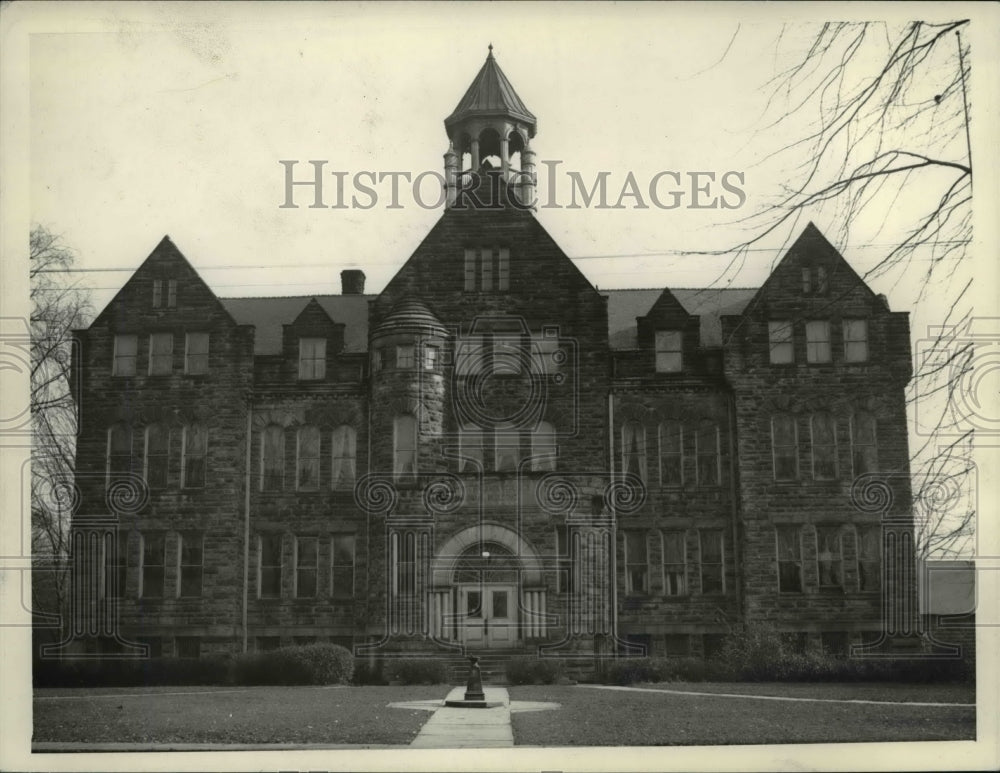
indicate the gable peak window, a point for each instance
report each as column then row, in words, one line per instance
column 779, row 334
column 814, row 280
column 487, row 269
column 157, row 293
column 818, row 341
column 312, row 359
column 669, row 355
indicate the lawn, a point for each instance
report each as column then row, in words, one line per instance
column 353, row 715
column 596, row 717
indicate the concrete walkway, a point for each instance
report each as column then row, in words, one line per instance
column 451, row 728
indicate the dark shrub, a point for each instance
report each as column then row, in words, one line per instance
column 416, row 671
column 80, row 672
column 533, row 670
column 308, row 664
column 368, row 672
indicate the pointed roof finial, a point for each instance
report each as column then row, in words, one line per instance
column 491, row 51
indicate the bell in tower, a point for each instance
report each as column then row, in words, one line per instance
column 490, row 131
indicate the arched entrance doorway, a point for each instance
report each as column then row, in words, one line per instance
column 488, row 590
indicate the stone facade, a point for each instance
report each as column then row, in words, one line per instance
column 491, row 454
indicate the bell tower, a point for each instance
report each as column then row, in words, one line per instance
column 491, row 129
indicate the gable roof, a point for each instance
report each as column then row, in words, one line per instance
column 268, row 315
column 708, row 303
column 489, row 95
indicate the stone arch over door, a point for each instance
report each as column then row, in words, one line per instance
column 459, row 544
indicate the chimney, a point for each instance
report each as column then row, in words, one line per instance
column 352, row 282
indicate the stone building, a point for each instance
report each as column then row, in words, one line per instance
column 490, row 453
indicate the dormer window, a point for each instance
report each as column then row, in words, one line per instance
column 669, row 358
column 487, row 269
column 312, row 359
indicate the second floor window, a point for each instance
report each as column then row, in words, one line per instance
column 669, row 357
column 344, row 455
column 780, row 341
column 269, row 566
column 818, row 341
column 671, row 454
column 193, row 456
column 823, row 427
column 342, row 569
column 120, row 461
column 405, row 446
column 856, row 340
column 713, row 578
column 157, row 455
column 308, row 459
column 312, row 359
column 161, row 353
column 674, row 564
column 272, row 467
column 196, row 354
column 829, row 557
column 126, row 349
column 306, row 566
column 785, row 447
column 707, row 450
column 153, row 555
column 864, row 451
column 634, row 449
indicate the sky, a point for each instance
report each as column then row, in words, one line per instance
column 145, row 121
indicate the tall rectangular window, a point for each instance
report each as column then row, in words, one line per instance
column 344, row 455
column 269, row 566
column 306, row 566
column 869, row 551
column 707, row 451
column 789, row 547
column 272, row 458
column 634, row 449
column 157, row 293
column 486, row 269
column 342, row 570
column 312, row 359
column 669, row 356
column 430, row 357
column 713, row 579
column 781, row 342
column 636, row 562
column 171, row 293
column 864, row 449
column 119, row 461
column 822, row 284
column 823, row 428
column 405, row 446
column 671, row 454
column 806, row 280
column 507, row 449
column 126, row 349
column 307, row 455
column 161, row 354
column 405, row 356
column 191, row 563
column 193, row 456
column 785, row 447
column 829, row 557
column 196, row 354
column 674, row 563
column 153, row 559
column 157, row 455
column 818, row 340
column 856, row 340
column 470, row 270
column 503, row 269
column 470, row 441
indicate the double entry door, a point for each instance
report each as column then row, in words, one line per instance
column 488, row 615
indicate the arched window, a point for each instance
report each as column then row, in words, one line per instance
column 404, row 445
column 119, row 460
column 344, row 456
column 785, row 447
column 671, row 453
column 157, row 455
column 543, row 447
column 307, row 464
column 634, row 449
column 194, row 450
column 864, row 449
column 823, row 429
column 707, row 450
column 272, row 466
